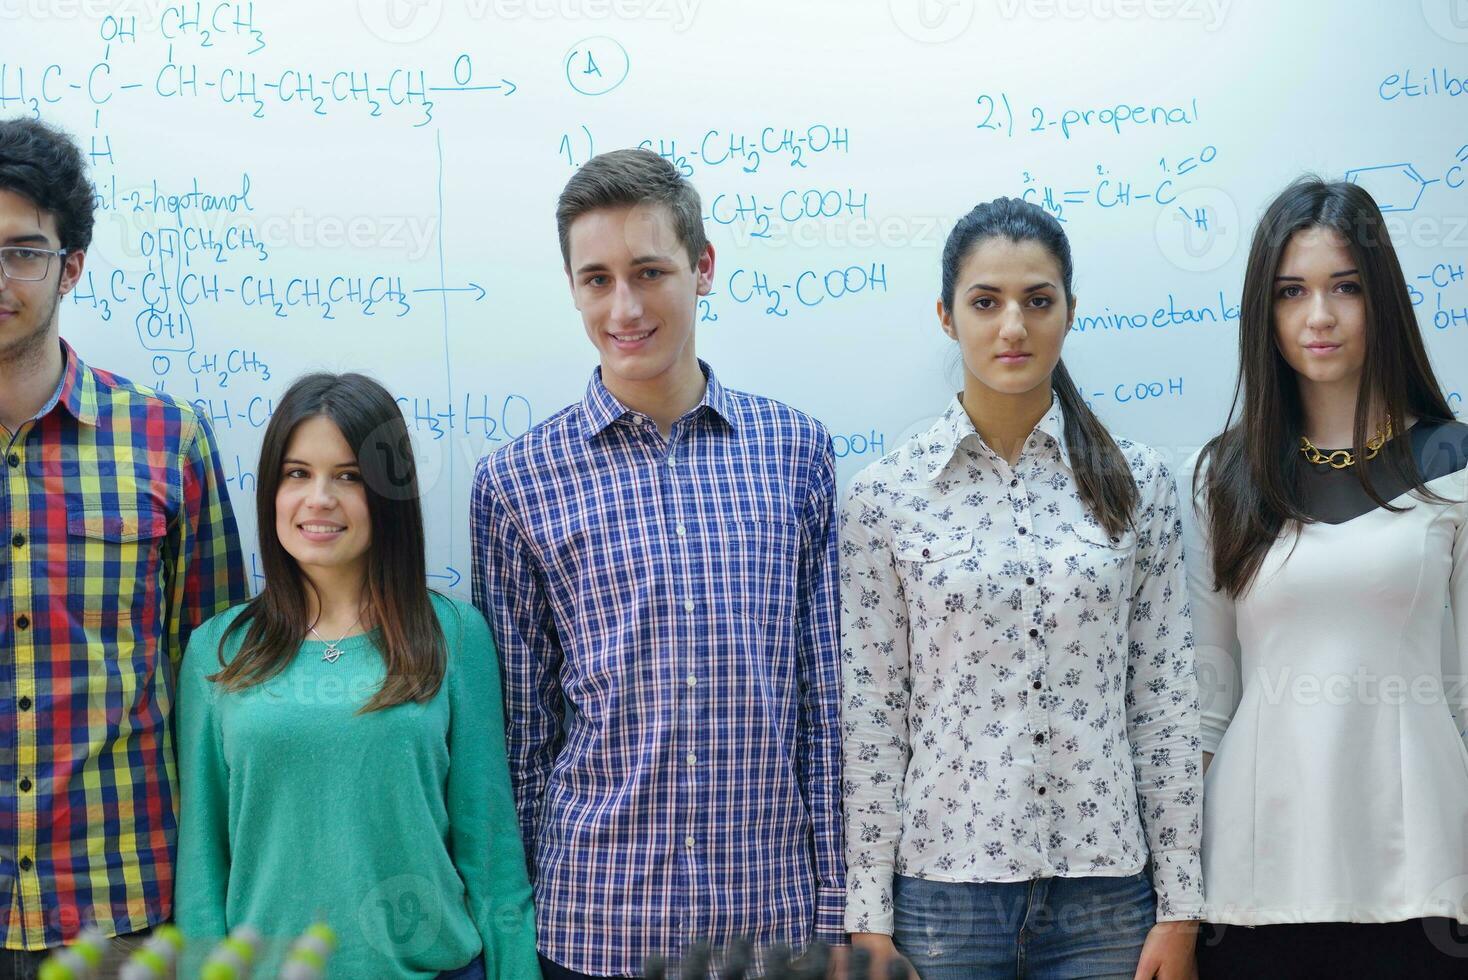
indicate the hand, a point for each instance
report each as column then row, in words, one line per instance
column 837, row 969
column 883, row 952
column 1169, row 952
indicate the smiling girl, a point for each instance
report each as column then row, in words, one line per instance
column 1329, row 545
column 341, row 739
column 1020, row 715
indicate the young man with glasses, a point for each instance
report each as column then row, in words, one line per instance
column 116, row 540
column 658, row 561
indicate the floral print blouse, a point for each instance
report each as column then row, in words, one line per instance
column 1019, row 697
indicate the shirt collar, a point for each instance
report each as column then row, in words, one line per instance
column 77, row 390
column 600, row 408
column 954, row 427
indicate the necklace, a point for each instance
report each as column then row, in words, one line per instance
column 1342, row 458
column 333, row 651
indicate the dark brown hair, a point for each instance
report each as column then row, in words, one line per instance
column 1253, row 468
column 624, row 178
column 45, row 166
column 1103, row 478
column 398, row 603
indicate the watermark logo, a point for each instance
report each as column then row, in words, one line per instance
column 400, row 21
column 932, row 21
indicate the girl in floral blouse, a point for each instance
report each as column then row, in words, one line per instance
column 1020, row 721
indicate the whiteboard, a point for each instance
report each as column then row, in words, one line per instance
column 371, row 186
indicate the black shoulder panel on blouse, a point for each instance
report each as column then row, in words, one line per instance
column 1336, row 496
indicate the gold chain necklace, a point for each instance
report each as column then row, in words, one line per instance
column 1342, row 458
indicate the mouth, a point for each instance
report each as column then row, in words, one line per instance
column 631, row 340
column 1322, row 348
column 321, row 531
column 1013, row 357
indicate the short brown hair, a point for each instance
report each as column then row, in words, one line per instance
column 625, row 178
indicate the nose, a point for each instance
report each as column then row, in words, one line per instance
column 626, row 307
column 1012, row 326
column 1320, row 315
column 323, row 495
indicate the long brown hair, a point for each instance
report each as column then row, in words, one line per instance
column 1103, row 478
column 1253, row 468
column 398, row 603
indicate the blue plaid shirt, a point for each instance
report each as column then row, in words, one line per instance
column 666, row 617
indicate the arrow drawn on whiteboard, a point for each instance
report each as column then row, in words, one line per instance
column 510, row 87
column 450, row 574
column 473, row 287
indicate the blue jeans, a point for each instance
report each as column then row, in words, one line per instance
column 474, row 971
column 1045, row 929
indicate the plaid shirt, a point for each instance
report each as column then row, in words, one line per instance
column 665, row 612
column 117, row 542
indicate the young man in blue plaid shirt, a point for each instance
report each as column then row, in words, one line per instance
column 658, row 562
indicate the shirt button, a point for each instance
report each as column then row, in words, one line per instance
column 1041, row 791
column 1039, row 738
column 18, row 540
column 672, row 461
column 25, row 863
column 1023, row 531
column 688, row 605
column 13, row 460
column 692, row 759
column 25, row 703
column 1013, row 483
column 23, row 622
column 681, row 530
column 25, row 785
column 1034, row 634
column 927, row 553
column 1037, row 685
column 1030, row 580
column 692, row 681
column 688, row 842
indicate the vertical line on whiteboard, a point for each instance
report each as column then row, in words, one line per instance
column 448, row 373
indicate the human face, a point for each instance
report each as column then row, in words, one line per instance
column 1320, row 309
column 631, row 280
column 321, row 515
column 28, row 307
column 1010, row 316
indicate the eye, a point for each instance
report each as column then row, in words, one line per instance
column 296, row 473
column 1350, row 288
column 23, row 254
column 1041, row 301
column 351, row 476
column 597, row 281
column 984, row 303
column 1289, row 291
column 653, row 273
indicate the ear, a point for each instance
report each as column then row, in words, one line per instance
column 703, row 271
column 571, row 285
column 1070, row 312
column 71, row 270
column 945, row 320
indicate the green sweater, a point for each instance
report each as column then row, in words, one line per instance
column 397, row 828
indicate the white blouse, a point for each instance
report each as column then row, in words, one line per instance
column 1332, row 695
column 1019, row 691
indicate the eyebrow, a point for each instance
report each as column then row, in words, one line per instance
column 1333, row 275
column 640, row 260
column 985, row 287
column 288, row 461
column 28, row 239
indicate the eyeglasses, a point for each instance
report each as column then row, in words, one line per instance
column 27, row 264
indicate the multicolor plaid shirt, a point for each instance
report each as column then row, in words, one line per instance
column 665, row 612
column 118, row 540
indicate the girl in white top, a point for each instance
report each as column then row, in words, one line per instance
column 1020, row 708
column 1336, row 803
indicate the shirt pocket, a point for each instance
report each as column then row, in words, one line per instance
column 113, row 564
column 931, row 557
column 1102, row 561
